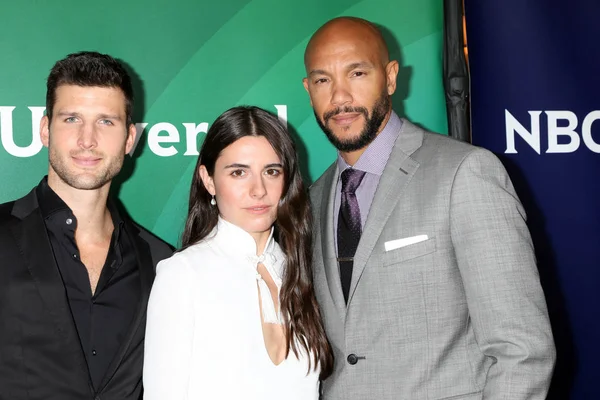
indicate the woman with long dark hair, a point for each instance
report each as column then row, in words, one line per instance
column 233, row 314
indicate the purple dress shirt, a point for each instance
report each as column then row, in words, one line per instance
column 372, row 161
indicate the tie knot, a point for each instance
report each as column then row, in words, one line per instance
column 351, row 179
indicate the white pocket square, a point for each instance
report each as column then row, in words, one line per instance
column 398, row 243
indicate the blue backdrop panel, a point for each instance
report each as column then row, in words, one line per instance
column 535, row 86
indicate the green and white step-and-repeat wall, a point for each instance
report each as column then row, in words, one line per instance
column 191, row 60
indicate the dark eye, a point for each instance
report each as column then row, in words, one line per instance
column 273, row 172
column 359, row 73
column 238, row 173
column 320, row 81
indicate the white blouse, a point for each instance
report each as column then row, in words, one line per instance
column 204, row 336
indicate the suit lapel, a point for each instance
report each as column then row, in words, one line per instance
column 35, row 248
column 397, row 174
column 327, row 240
column 145, row 266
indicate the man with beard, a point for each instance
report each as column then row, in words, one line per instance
column 424, row 267
column 75, row 274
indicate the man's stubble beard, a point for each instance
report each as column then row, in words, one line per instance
column 85, row 180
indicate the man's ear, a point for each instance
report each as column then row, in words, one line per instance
column 207, row 180
column 391, row 72
column 45, row 130
column 130, row 141
column 305, row 83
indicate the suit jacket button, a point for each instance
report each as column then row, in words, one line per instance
column 352, row 359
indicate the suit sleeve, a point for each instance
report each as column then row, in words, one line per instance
column 496, row 259
column 169, row 332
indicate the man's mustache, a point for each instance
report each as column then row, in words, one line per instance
column 86, row 153
column 339, row 110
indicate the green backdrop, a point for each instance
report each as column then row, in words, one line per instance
column 191, row 60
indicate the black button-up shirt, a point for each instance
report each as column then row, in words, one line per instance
column 102, row 319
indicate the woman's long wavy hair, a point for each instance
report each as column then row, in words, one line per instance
column 293, row 227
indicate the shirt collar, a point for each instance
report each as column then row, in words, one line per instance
column 228, row 236
column 233, row 240
column 375, row 157
column 50, row 204
column 227, row 233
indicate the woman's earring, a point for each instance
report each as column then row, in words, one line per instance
column 213, row 202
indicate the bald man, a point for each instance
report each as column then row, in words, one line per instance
column 424, row 266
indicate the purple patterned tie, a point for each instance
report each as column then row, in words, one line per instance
column 349, row 227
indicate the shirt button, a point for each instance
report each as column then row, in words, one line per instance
column 94, row 352
column 74, row 255
column 69, row 221
column 352, row 359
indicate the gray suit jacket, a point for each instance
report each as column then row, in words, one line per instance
column 460, row 315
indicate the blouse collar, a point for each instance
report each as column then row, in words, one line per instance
column 240, row 244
